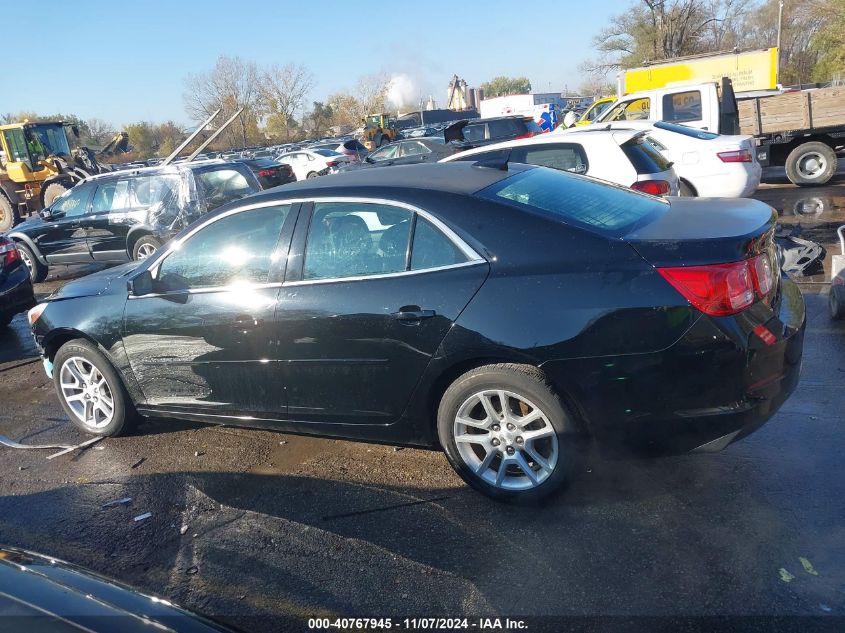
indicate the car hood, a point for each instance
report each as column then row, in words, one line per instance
column 107, row 281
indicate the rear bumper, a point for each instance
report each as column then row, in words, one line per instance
column 738, row 182
column 16, row 292
column 720, row 382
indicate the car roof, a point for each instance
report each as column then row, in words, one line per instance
column 172, row 168
column 617, row 136
column 460, row 178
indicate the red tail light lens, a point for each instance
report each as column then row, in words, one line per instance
column 738, row 156
column 8, row 252
column 723, row 289
column 332, row 163
column 526, row 135
column 266, row 172
column 653, row 187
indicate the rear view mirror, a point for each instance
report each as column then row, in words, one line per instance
column 141, row 284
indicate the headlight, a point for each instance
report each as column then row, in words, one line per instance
column 35, row 313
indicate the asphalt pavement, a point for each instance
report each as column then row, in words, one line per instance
column 264, row 530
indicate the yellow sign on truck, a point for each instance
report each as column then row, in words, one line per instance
column 749, row 71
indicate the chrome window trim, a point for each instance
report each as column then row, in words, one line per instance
column 401, row 273
column 211, row 289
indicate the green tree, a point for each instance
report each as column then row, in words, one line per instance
column 317, row 122
column 830, row 40
column 500, row 86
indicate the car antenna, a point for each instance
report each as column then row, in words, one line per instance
column 497, row 161
column 184, row 143
column 217, row 133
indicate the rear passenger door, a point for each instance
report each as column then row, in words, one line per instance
column 371, row 290
column 107, row 223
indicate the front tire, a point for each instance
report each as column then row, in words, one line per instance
column 506, row 432
column 37, row 270
column 90, row 390
column 53, row 191
column 810, row 164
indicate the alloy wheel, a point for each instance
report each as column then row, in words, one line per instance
column 812, row 165
column 506, row 440
column 86, row 392
column 145, row 250
column 27, row 262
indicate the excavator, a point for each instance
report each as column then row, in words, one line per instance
column 37, row 165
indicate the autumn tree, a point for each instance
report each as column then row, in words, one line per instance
column 500, row 86
column 283, row 89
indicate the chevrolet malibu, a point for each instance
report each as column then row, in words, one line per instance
column 501, row 313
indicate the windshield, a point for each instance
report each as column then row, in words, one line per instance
column 326, row 152
column 686, row 131
column 47, row 140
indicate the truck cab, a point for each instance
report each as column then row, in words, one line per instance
column 695, row 106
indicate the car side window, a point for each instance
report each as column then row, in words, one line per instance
column 414, row 148
column 219, row 186
column 565, row 157
column 239, row 248
column 111, row 196
column 474, row 132
column 74, row 203
column 432, row 249
column 504, row 127
column 682, row 106
column 349, row 239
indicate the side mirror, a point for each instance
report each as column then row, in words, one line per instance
column 570, row 119
column 141, row 284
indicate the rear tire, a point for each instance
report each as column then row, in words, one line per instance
column 7, row 214
column 53, row 191
column 532, row 432
column 311, row 174
column 809, row 164
column 90, row 390
column 836, row 302
column 37, row 270
column 686, row 190
column 146, row 246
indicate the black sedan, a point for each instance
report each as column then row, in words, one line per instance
column 15, row 283
column 42, row 594
column 499, row 313
column 407, row 152
column 269, row 172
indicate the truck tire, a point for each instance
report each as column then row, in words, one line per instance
column 53, row 191
column 809, row 164
column 836, row 302
column 7, row 214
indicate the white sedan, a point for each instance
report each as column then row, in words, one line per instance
column 310, row 163
column 708, row 164
column 623, row 157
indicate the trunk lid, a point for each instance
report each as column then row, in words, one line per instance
column 696, row 231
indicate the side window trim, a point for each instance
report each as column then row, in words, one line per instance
column 296, row 254
column 276, row 273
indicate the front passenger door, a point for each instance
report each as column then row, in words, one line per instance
column 63, row 239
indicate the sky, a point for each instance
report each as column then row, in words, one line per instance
column 127, row 61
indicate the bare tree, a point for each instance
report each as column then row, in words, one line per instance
column 283, row 89
column 231, row 84
column 99, row 132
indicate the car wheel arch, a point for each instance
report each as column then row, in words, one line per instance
column 20, row 237
column 135, row 234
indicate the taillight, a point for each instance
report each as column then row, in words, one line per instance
column 526, row 135
column 266, row 172
column 722, row 289
column 332, row 163
column 8, row 252
column 653, row 187
column 738, row 156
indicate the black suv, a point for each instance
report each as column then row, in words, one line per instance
column 477, row 132
column 127, row 215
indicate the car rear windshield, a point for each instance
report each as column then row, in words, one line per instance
column 602, row 208
column 686, row 131
column 326, row 152
column 645, row 158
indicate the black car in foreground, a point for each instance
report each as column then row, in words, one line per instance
column 15, row 285
column 124, row 215
column 269, row 172
column 42, row 594
column 499, row 313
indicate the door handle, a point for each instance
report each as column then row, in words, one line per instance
column 246, row 321
column 413, row 313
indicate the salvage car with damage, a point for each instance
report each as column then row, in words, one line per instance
column 499, row 313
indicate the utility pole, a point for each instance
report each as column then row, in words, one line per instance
column 780, row 22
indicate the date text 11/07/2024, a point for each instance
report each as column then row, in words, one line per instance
column 418, row 624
